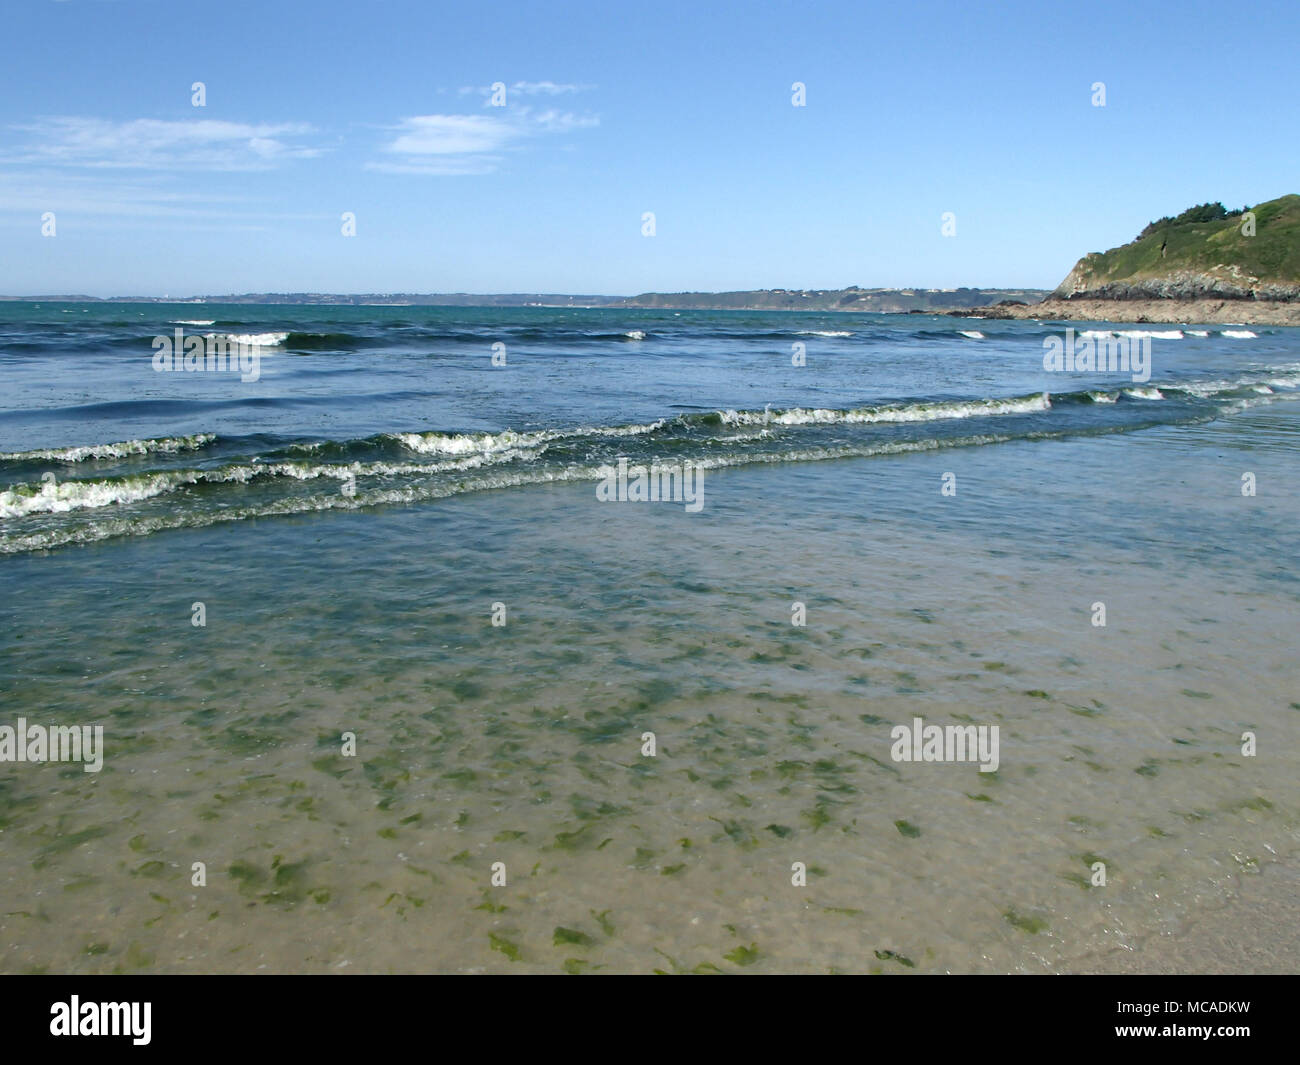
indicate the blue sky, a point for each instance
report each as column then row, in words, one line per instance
column 613, row 109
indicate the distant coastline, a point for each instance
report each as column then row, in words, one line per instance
column 852, row 299
column 1021, row 304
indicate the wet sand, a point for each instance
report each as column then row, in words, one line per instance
column 1255, row 931
column 522, row 745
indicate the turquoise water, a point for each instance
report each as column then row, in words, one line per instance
column 370, row 612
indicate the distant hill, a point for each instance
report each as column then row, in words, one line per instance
column 1207, row 252
column 861, row 300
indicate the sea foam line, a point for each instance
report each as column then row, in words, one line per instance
column 105, row 451
column 62, row 497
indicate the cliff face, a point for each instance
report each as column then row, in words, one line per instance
column 1227, row 283
column 1253, row 255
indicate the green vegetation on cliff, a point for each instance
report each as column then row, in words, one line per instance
column 1252, row 253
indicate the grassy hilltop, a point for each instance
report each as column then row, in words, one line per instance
column 1203, row 253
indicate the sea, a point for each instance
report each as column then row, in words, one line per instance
column 389, row 678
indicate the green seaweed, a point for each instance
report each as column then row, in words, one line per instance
column 743, row 955
column 69, row 841
column 889, row 955
column 248, row 875
column 1032, row 925
column 571, row 840
column 817, row 816
column 736, row 832
column 500, row 943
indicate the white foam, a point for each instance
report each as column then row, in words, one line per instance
column 974, row 334
column 918, row 412
column 63, row 496
column 1136, row 334
column 467, row 443
column 1238, row 334
column 823, row 333
column 194, row 321
column 486, row 443
column 635, row 334
column 261, row 340
column 1144, row 393
column 1210, row 389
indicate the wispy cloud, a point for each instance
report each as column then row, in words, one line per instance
column 453, row 135
column 158, row 144
column 528, row 88
column 470, row 144
column 99, row 199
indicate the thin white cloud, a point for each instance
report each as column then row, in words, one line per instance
column 26, row 195
column 39, row 191
column 159, row 144
column 453, row 135
column 553, row 121
column 443, row 145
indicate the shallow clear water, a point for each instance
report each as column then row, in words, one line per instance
column 370, row 612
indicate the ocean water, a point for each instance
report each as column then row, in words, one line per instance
column 946, row 513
